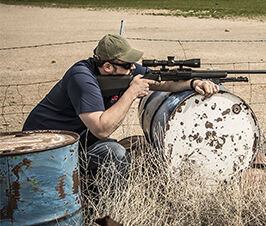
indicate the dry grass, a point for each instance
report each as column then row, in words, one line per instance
column 155, row 195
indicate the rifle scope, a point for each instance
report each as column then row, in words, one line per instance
column 171, row 62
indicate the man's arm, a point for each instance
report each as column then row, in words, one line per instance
column 103, row 123
column 205, row 88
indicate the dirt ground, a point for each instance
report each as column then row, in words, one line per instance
column 22, row 26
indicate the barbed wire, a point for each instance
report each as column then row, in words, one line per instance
column 196, row 40
column 140, row 39
column 48, row 44
column 30, row 83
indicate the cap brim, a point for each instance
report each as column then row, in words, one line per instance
column 131, row 56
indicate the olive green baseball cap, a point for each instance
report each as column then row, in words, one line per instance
column 112, row 47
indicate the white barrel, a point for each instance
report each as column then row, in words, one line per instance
column 219, row 136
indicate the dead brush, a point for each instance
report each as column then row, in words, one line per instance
column 154, row 195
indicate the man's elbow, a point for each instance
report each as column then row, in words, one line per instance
column 101, row 134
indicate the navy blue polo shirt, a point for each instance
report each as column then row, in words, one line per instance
column 77, row 92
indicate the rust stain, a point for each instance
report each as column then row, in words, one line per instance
column 235, row 167
column 208, row 125
column 25, row 162
column 193, row 137
column 183, row 137
column 204, row 115
column 196, row 125
column 241, row 158
column 223, row 158
column 170, row 148
column 72, row 150
column 215, row 141
column 7, row 212
column 167, row 127
column 255, row 143
column 213, row 106
column 218, row 119
column 60, row 187
column 76, row 181
column 179, row 108
column 13, row 195
column 245, row 106
column 204, row 98
column 199, row 140
column 196, row 101
column 181, row 123
column 226, row 112
column 236, row 108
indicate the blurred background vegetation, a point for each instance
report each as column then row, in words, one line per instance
column 198, row 8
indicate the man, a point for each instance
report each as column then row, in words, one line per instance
column 76, row 103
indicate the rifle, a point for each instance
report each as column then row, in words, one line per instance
column 113, row 84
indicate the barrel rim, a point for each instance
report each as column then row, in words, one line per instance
column 63, row 144
column 80, row 210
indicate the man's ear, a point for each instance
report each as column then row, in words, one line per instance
column 107, row 67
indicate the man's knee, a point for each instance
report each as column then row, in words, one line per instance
column 118, row 151
column 108, row 149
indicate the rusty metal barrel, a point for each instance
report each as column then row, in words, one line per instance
column 39, row 178
column 218, row 135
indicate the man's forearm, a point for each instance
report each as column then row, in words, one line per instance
column 113, row 117
column 171, row 86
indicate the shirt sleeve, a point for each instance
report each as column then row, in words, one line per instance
column 84, row 93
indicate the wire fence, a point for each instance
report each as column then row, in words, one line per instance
column 18, row 99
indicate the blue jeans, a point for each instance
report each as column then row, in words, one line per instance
column 111, row 159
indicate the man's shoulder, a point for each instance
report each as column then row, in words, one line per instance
column 83, row 68
column 86, row 66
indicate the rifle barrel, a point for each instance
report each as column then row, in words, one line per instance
column 235, row 71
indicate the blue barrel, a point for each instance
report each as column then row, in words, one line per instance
column 39, row 178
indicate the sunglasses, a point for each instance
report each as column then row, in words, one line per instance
column 126, row 66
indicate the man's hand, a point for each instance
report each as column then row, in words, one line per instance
column 205, row 88
column 141, row 87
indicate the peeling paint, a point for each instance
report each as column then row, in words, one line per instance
column 60, row 187
column 179, row 108
column 226, row 112
column 208, row 125
column 13, row 194
column 236, row 108
column 193, row 137
column 204, row 115
column 76, row 181
column 218, row 119
column 255, row 143
column 213, row 106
